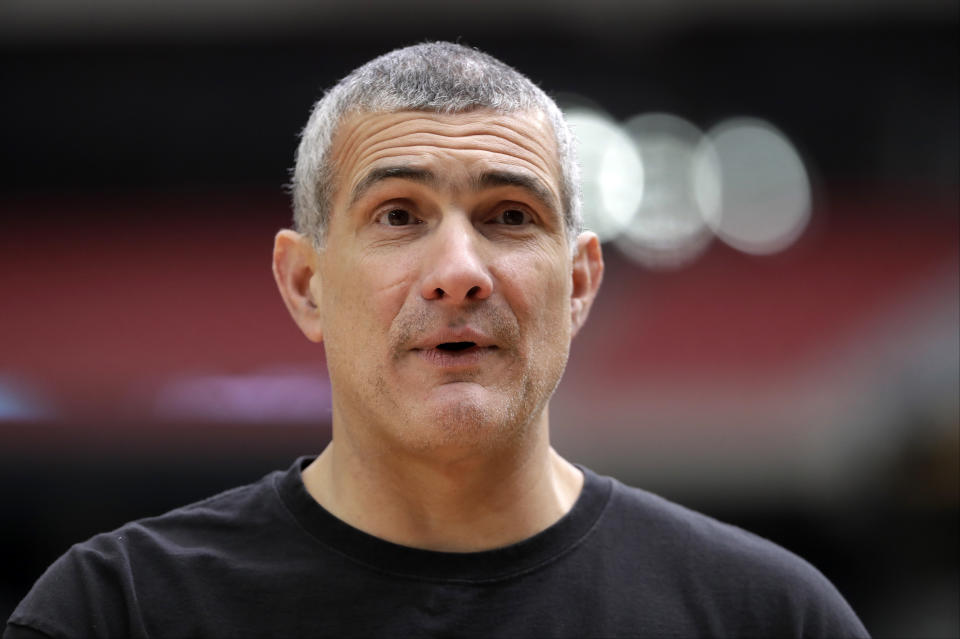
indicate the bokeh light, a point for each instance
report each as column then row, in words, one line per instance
column 611, row 172
column 761, row 202
column 668, row 228
column 660, row 189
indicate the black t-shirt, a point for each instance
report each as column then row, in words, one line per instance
column 265, row 560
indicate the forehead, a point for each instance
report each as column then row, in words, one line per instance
column 456, row 146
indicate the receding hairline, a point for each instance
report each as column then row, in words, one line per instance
column 432, row 77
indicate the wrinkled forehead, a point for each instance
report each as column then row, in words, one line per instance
column 522, row 140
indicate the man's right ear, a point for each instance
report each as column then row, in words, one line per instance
column 295, row 264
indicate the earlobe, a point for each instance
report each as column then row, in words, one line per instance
column 295, row 269
column 587, row 273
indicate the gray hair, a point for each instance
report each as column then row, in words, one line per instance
column 441, row 77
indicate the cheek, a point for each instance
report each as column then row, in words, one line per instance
column 363, row 297
column 538, row 291
column 386, row 288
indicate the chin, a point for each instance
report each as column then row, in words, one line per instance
column 459, row 419
column 463, row 426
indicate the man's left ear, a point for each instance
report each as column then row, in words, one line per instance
column 587, row 274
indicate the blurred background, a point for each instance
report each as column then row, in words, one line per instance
column 775, row 344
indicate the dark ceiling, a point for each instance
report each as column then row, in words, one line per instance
column 866, row 101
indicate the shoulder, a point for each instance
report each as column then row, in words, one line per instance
column 701, row 537
column 707, row 540
column 222, row 518
column 100, row 584
column 728, row 572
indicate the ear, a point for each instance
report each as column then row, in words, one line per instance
column 587, row 274
column 295, row 270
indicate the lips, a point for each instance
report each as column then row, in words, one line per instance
column 463, row 359
column 458, row 348
column 454, row 340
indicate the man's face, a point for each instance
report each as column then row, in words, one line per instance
column 444, row 285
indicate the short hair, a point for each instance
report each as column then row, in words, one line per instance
column 440, row 77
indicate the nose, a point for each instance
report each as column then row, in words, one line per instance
column 455, row 270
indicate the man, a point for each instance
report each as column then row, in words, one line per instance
column 439, row 259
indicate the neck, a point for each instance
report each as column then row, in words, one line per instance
column 460, row 504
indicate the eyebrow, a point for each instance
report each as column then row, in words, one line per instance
column 529, row 183
column 486, row 180
column 387, row 172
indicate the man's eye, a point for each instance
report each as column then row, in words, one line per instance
column 396, row 217
column 512, row 217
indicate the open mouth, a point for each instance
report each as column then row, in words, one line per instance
column 455, row 347
column 456, row 355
